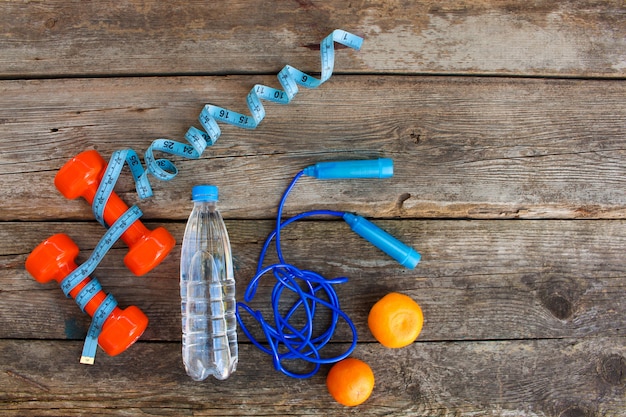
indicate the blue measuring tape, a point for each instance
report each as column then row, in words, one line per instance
column 107, row 241
column 91, row 341
column 289, row 78
column 198, row 140
column 110, row 177
column 92, row 288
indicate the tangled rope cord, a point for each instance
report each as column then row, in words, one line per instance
column 286, row 340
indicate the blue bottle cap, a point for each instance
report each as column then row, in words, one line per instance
column 204, row 193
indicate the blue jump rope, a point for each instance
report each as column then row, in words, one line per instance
column 284, row 341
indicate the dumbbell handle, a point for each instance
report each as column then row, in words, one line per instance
column 93, row 304
column 53, row 259
column 81, row 177
column 113, row 210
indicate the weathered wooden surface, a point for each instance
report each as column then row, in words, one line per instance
column 478, row 280
column 463, row 147
column 512, row 186
column 431, row 379
column 61, row 37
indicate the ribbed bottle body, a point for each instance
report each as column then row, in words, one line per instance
column 207, row 289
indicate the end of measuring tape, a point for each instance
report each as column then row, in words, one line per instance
column 105, row 309
column 118, row 337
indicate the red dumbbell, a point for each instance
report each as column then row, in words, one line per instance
column 80, row 177
column 53, row 259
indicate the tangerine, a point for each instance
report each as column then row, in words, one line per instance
column 395, row 320
column 350, row 381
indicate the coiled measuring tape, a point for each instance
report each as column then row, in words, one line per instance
column 198, row 140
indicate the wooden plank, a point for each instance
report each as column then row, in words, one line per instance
column 523, row 317
column 463, row 147
column 557, row 377
column 478, row 280
column 68, row 38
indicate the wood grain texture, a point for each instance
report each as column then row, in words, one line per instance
column 556, row 377
column 69, row 38
column 462, row 147
column 478, row 280
column 506, row 122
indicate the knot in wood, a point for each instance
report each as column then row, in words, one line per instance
column 576, row 411
column 613, row 370
column 559, row 306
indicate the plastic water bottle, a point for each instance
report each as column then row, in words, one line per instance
column 207, row 290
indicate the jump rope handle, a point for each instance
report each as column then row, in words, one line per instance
column 405, row 255
column 373, row 168
column 369, row 168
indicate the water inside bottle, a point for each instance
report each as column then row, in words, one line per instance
column 204, row 321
